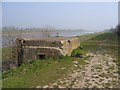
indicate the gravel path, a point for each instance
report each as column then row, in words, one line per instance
column 99, row 72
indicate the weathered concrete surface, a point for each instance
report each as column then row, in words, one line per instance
column 34, row 48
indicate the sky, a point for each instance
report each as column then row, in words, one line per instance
column 119, row 12
column 59, row 0
column 93, row 16
column 0, row 16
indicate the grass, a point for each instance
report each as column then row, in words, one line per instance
column 78, row 52
column 39, row 72
column 107, row 42
column 87, row 36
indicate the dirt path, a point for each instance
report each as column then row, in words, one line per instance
column 99, row 72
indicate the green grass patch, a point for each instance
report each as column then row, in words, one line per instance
column 107, row 42
column 38, row 73
column 106, row 36
column 78, row 52
column 87, row 36
column 0, row 55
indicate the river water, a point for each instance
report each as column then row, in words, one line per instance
column 8, row 39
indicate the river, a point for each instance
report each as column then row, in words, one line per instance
column 10, row 38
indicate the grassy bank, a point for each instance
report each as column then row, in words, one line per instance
column 39, row 72
column 42, row 72
column 107, row 42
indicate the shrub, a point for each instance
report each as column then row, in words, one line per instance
column 78, row 52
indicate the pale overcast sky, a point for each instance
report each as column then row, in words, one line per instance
column 94, row 16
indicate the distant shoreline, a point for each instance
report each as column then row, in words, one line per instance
column 5, row 33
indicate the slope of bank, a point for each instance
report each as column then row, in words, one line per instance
column 102, row 60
